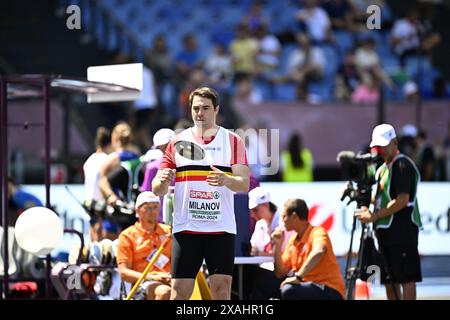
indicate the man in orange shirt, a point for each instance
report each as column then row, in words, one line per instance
column 308, row 259
column 138, row 243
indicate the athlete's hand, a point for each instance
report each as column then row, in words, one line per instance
column 216, row 177
column 167, row 175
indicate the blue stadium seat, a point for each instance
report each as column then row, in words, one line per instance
column 232, row 16
column 285, row 92
column 389, row 61
column 415, row 64
column 333, row 59
column 215, row 21
column 344, row 40
column 323, row 88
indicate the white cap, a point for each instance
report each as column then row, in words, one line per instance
column 409, row 130
column 153, row 154
column 257, row 196
column 410, row 87
column 162, row 137
column 382, row 135
column 146, row 197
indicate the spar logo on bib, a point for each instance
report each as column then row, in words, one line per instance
column 322, row 216
column 205, row 195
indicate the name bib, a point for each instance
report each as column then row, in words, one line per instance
column 204, row 205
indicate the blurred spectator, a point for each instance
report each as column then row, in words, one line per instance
column 305, row 64
column 297, row 161
column 188, row 59
column 159, row 59
column 408, row 38
column 438, row 91
column 429, row 38
column 160, row 62
column 268, row 219
column 161, row 140
column 367, row 63
column 446, row 152
column 123, row 151
column 246, row 92
column 411, row 92
column 407, row 140
column 110, row 230
column 91, row 170
column 347, row 77
column 367, row 92
column 243, row 53
column 182, row 124
column 266, row 285
column 442, row 150
column 341, row 14
column 91, row 167
column 314, row 22
column 425, row 158
column 19, row 201
column 218, row 67
column 269, row 48
column 196, row 79
column 254, row 18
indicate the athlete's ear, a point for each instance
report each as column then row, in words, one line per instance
column 216, row 109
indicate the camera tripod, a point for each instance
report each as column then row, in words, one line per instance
column 362, row 197
column 353, row 273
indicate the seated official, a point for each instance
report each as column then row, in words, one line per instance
column 265, row 284
column 308, row 259
column 138, row 243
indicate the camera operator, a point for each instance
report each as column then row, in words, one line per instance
column 396, row 216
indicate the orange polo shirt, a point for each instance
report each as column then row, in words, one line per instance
column 327, row 271
column 136, row 244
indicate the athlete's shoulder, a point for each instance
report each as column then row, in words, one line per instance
column 232, row 133
column 234, row 137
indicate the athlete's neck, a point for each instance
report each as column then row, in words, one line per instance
column 205, row 133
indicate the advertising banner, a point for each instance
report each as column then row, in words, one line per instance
column 322, row 198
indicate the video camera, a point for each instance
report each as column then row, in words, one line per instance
column 360, row 169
